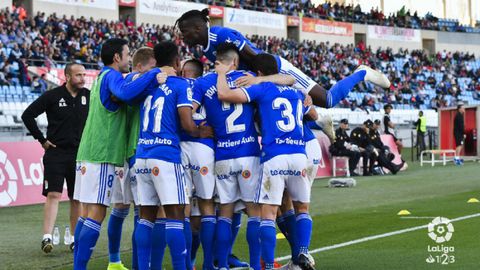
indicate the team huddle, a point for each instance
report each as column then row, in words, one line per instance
column 184, row 147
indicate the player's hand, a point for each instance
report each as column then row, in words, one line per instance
column 247, row 80
column 48, row 144
column 221, row 68
column 205, row 131
column 170, row 71
column 162, row 77
column 308, row 101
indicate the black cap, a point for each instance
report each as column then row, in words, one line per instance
column 368, row 123
column 344, row 121
column 377, row 122
column 387, row 106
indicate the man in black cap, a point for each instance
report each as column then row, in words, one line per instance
column 360, row 137
column 382, row 152
column 342, row 147
column 390, row 126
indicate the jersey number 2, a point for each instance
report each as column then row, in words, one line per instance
column 230, row 121
column 158, row 107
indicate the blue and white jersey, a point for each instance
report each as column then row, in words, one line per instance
column 281, row 116
column 199, row 117
column 308, row 134
column 160, row 122
column 233, row 124
column 218, row 35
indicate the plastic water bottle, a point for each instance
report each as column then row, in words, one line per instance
column 56, row 236
column 67, row 238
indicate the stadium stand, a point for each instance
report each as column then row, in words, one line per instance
column 348, row 13
column 420, row 81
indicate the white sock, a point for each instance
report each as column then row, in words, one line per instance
column 72, row 238
column 47, row 236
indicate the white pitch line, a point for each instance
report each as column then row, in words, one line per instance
column 414, row 217
column 373, row 237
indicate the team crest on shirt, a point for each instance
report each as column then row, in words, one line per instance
column 155, row 171
column 304, row 172
column 246, row 174
column 203, row 171
column 83, row 170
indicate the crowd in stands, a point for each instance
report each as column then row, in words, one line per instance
column 418, row 80
column 347, row 13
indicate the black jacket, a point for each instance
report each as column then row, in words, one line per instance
column 360, row 137
column 66, row 116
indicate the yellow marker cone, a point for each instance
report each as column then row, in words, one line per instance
column 403, row 213
column 280, row 236
column 473, row 200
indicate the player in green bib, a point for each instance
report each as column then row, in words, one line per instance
column 103, row 144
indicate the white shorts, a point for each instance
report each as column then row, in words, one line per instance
column 96, row 182
column 284, row 171
column 198, row 160
column 78, row 174
column 314, row 156
column 160, row 182
column 123, row 192
column 237, row 179
column 303, row 82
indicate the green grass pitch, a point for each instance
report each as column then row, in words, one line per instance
column 340, row 216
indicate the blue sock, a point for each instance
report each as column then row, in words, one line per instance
column 223, row 240
column 87, row 241
column 176, row 243
column 253, row 239
column 268, row 242
column 159, row 244
column 236, row 224
column 143, row 237
column 195, row 246
column 115, row 233
column 76, row 236
column 341, row 89
column 290, row 224
column 134, row 243
column 187, row 231
column 304, row 232
column 207, row 237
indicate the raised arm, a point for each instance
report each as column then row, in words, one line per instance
column 224, row 92
column 128, row 90
column 281, row 79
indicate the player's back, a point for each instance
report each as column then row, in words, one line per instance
column 160, row 122
column 219, row 35
column 281, row 115
column 233, row 124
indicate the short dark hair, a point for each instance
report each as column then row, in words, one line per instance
column 165, row 53
column 266, row 63
column 194, row 14
column 68, row 68
column 225, row 49
column 198, row 66
column 387, row 106
column 111, row 47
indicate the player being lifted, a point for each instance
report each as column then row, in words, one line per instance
column 237, row 163
column 161, row 180
column 283, row 154
column 196, row 30
column 103, row 144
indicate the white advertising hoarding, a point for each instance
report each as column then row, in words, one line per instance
column 167, row 8
column 393, row 33
column 254, row 18
column 102, row 4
